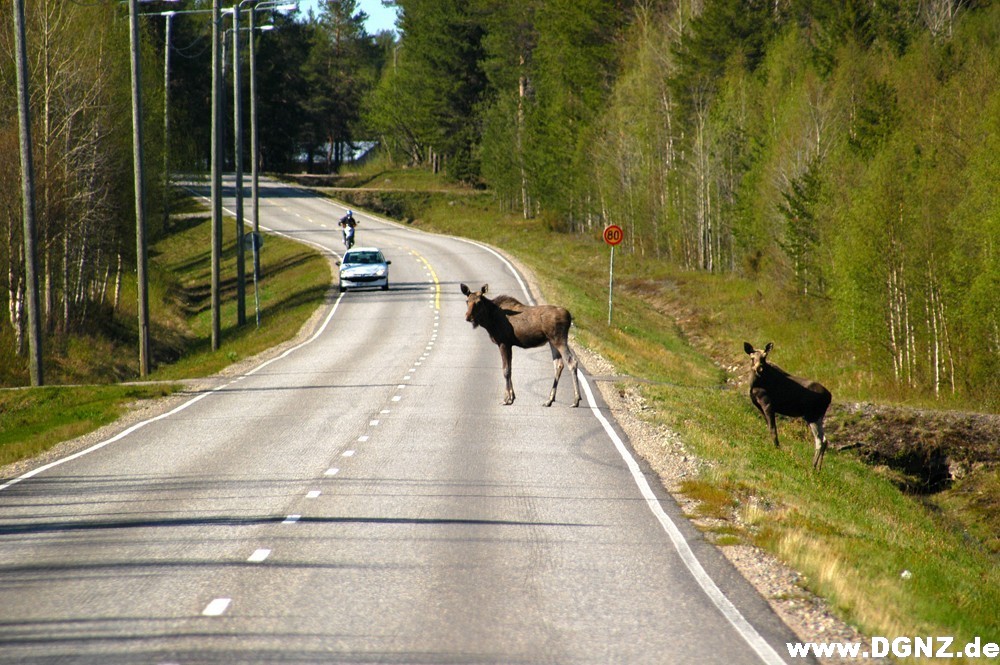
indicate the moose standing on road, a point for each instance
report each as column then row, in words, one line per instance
column 775, row 391
column 511, row 323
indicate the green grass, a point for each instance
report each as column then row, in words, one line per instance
column 848, row 530
column 33, row 420
column 295, row 280
column 378, row 171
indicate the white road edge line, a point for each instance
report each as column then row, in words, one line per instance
column 746, row 630
column 704, row 580
column 178, row 409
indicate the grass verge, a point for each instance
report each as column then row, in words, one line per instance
column 32, row 420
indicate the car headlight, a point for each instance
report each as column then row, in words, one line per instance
column 380, row 272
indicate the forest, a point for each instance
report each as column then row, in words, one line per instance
column 843, row 150
column 312, row 71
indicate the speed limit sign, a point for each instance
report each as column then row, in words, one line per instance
column 613, row 234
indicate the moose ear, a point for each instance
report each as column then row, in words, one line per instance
column 770, row 345
column 748, row 347
column 485, row 286
column 465, row 290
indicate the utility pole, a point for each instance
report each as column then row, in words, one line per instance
column 216, row 171
column 28, row 201
column 140, row 206
column 168, row 26
column 241, row 276
column 254, row 158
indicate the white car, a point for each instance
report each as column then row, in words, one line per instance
column 364, row 266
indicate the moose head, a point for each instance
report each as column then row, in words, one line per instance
column 758, row 358
column 473, row 300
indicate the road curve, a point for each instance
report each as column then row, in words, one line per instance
column 365, row 498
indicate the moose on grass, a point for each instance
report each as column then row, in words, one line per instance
column 775, row 391
column 511, row 323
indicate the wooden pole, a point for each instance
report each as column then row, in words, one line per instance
column 28, row 201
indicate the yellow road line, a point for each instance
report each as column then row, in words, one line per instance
column 437, row 284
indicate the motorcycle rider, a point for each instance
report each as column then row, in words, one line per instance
column 347, row 222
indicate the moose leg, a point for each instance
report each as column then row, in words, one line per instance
column 562, row 356
column 505, row 357
column 573, row 365
column 768, row 412
column 557, row 366
column 820, row 437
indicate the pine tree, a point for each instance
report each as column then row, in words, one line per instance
column 334, row 73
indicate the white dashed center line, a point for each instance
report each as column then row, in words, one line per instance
column 217, row 607
column 258, row 556
column 220, row 605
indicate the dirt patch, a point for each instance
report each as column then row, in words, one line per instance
column 928, row 450
column 948, row 459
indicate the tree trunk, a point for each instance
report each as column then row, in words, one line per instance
column 118, row 283
column 15, row 289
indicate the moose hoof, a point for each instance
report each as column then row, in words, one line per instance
column 547, row 403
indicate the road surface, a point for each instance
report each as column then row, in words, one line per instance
column 366, row 498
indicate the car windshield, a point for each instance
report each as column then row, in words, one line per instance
column 364, row 257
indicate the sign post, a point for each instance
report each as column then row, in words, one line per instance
column 613, row 235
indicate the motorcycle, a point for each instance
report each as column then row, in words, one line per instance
column 347, row 222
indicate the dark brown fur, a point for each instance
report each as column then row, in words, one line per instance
column 511, row 323
column 775, row 391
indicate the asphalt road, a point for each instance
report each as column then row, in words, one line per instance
column 366, row 498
